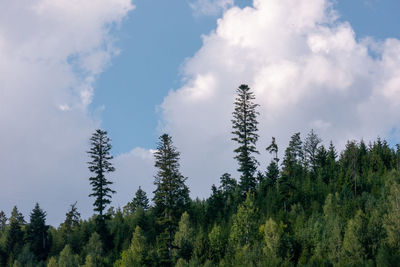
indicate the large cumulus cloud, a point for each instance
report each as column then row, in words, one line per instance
column 307, row 69
column 50, row 54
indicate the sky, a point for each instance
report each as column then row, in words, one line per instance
column 144, row 67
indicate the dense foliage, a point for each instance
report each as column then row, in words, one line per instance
column 313, row 207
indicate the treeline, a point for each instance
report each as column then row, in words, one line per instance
column 313, row 207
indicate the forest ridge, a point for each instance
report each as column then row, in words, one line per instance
column 313, row 207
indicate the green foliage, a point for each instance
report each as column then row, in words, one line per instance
column 100, row 165
column 135, row 255
column 184, row 239
column 171, row 197
column 244, row 124
column 353, row 251
column 392, row 218
column 316, row 209
column 3, row 221
column 68, row 258
column 37, row 233
column 217, row 242
column 94, row 249
column 272, row 239
column 14, row 235
column 139, row 201
column 244, row 229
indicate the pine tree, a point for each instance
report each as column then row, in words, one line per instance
column 244, row 124
column 217, row 243
column 94, row 249
column 37, row 235
column 68, row 258
column 69, row 228
column 273, row 168
column 136, row 253
column 3, row 221
column 139, row 201
column 72, row 217
column 171, row 197
column 184, row 239
column 293, row 155
column 310, row 150
column 244, row 227
column 100, row 165
column 273, row 149
column 14, row 234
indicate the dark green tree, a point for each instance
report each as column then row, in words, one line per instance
column 14, row 234
column 171, row 197
column 3, row 221
column 273, row 168
column 37, row 233
column 293, row 155
column 184, row 239
column 70, row 228
column 139, row 201
column 244, row 124
column 100, row 165
column 310, row 150
column 72, row 218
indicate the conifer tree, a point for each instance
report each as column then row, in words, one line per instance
column 310, row 150
column 171, row 197
column 136, row 253
column 3, row 221
column 69, row 228
column 293, row 155
column 244, row 227
column 184, row 239
column 14, row 234
column 244, row 124
column 139, row 201
column 94, row 249
column 100, row 166
column 68, row 258
column 273, row 168
column 217, row 243
column 36, row 233
column 72, row 217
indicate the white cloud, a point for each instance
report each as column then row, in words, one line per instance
column 50, row 54
column 133, row 169
column 210, row 7
column 307, row 70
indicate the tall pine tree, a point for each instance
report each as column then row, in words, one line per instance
column 100, row 166
column 14, row 235
column 171, row 197
column 273, row 168
column 37, row 235
column 244, row 124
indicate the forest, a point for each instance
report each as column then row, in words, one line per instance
column 315, row 206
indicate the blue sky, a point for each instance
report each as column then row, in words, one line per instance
column 154, row 44
column 167, row 66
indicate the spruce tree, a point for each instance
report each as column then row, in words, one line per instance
column 139, row 201
column 273, row 168
column 70, row 228
column 37, row 235
column 244, row 124
column 100, row 165
column 3, row 221
column 14, row 234
column 310, row 150
column 293, row 155
column 171, row 197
